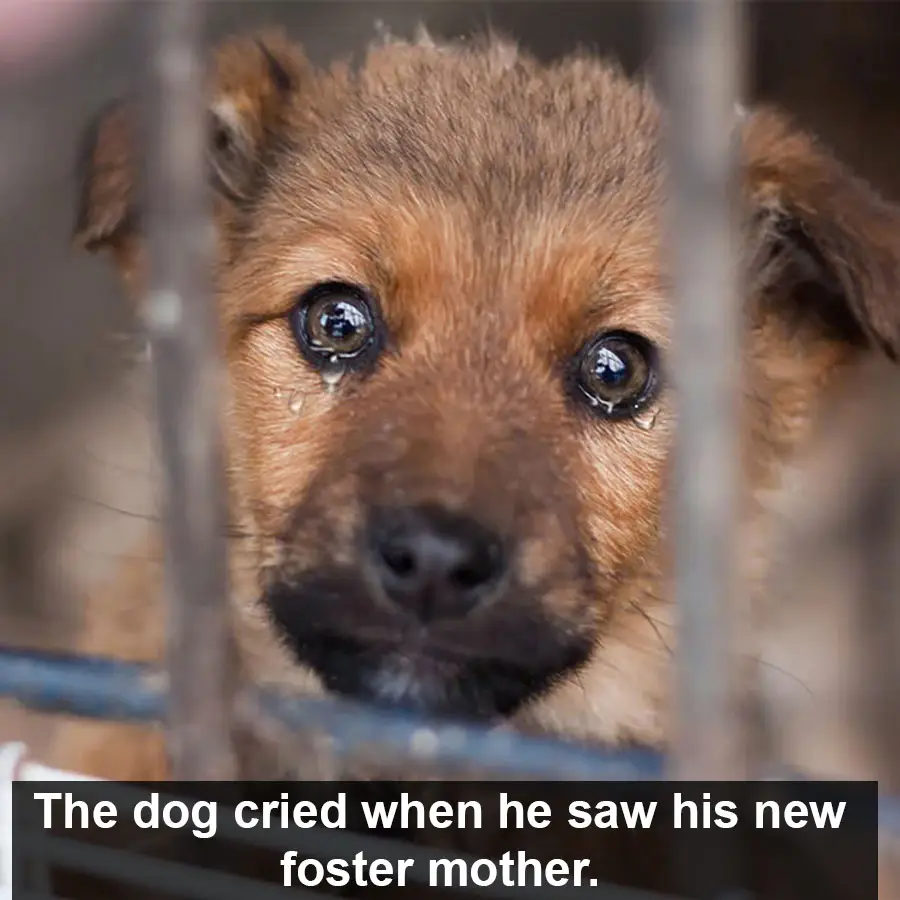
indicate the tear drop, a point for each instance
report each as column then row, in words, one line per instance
column 647, row 420
column 296, row 402
column 332, row 379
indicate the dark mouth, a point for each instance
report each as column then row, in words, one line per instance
column 475, row 671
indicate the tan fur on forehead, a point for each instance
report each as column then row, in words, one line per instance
column 576, row 83
column 438, row 114
column 569, row 203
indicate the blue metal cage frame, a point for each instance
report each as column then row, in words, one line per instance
column 98, row 688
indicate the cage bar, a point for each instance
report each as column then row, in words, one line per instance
column 183, row 329
column 701, row 53
column 98, row 688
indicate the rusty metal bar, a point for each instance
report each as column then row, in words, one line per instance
column 701, row 56
column 183, row 330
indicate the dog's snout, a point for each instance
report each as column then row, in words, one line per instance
column 434, row 562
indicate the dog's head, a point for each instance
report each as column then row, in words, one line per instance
column 445, row 308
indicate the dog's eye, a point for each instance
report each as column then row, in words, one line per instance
column 334, row 323
column 617, row 373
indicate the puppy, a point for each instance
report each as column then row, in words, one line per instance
column 445, row 311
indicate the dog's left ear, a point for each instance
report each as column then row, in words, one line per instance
column 836, row 237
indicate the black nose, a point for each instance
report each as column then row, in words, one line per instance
column 434, row 562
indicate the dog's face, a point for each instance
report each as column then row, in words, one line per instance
column 445, row 310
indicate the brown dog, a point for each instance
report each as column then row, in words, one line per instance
column 444, row 307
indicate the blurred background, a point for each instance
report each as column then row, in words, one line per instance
column 75, row 437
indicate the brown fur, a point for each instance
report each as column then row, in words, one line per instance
column 503, row 212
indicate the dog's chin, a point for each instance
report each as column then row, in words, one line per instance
column 414, row 681
column 482, row 671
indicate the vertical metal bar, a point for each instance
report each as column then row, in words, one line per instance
column 701, row 56
column 183, row 331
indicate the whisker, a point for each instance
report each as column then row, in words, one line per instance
column 101, row 504
column 790, row 675
column 653, row 624
column 147, row 517
column 118, row 467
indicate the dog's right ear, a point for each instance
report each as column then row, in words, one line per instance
column 252, row 82
column 837, row 240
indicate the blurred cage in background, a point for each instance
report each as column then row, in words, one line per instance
column 699, row 54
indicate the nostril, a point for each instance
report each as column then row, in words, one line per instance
column 399, row 559
column 478, row 569
column 467, row 577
